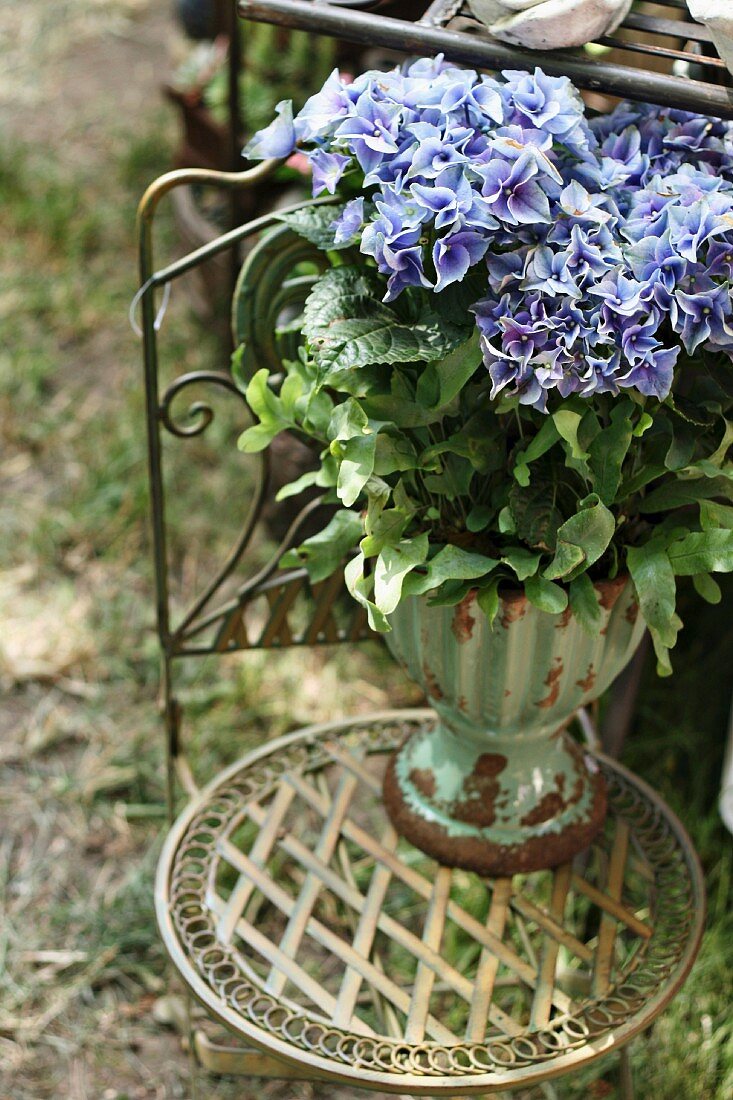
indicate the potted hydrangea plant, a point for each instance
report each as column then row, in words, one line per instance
column 516, row 368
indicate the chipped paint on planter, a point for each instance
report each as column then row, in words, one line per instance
column 498, row 786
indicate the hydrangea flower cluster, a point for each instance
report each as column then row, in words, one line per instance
column 607, row 243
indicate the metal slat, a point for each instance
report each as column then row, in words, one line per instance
column 430, row 37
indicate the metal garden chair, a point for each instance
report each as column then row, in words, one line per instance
column 327, row 948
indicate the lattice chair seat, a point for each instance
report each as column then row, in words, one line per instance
column 300, row 921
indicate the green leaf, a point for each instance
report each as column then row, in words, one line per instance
column 608, row 451
column 721, row 453
column 682, row 447
column 714, row 515
column 567, row 423
column 441, row 381
column 585, row 605
column 682, row 492
column 581, row 541
column 535, row 514
column 479, row 517
column 305, row 481
column 323, row 553
column 545, row 595
column 258, row 437
column 392, row 566
column 356, row 465
column 644, row 423
column 262, row 401
column 654, row 580
column 315, row 224
column 348, row 326
column 546, row 437
column 523, row 562
column 707, row 588
column 360, row 588
column 702, row 552
column 394, row 453
column 488, row 599
column 450, row 563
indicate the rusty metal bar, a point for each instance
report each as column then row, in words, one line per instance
column 486, row 53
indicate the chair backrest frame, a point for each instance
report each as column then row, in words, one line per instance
column 206, row 626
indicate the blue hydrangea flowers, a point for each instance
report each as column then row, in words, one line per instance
column 607, row 244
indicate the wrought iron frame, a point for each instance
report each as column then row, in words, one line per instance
column 448, row 27
column 223, row 621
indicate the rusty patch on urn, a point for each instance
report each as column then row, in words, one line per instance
column 463, row 621
column 588, row 681
column 549, row 806
column 424, row 781
column 609, row 592
column 515, row 608
column 632, row 612
column 481, row 789
column 432, row 687
column 552, row 680
column 489, row 764
column 564, row 618
column 462, row 704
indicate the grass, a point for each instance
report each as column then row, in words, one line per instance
column 82, row 971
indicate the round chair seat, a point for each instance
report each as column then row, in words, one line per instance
column 303, row 923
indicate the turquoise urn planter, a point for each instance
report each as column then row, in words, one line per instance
column 499, row 786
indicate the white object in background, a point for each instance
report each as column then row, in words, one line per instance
column 717, row 15
column 725, row 803
column 552, row 24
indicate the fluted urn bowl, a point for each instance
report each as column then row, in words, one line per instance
column 499, row 786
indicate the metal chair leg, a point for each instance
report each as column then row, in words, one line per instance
column 625, row 1075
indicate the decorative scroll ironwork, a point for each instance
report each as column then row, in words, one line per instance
column 272, row 287
column 287, row 868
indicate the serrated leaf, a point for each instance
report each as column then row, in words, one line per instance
column 392, row 566
column 315, row 224
column 584, row 604
column 323, row 553
column 545, row 595
column 347, row 326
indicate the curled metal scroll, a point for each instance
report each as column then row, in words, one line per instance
column 200, row 412
column 202, row 415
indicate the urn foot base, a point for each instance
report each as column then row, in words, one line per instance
column 460, row 834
